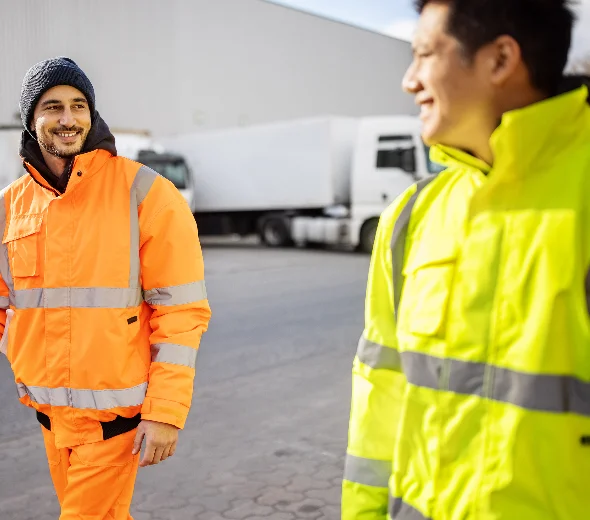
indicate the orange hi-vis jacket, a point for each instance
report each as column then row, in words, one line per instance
column 103, row 296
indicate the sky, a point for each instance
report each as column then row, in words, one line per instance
column 397, row 17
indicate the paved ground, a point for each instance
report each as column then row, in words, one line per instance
column 267, row 432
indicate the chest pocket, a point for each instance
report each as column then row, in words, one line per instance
column 22, row 241
column 428, row 277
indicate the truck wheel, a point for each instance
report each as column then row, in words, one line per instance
column 367, row 237
column 275, row 232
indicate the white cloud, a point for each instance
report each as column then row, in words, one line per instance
column 402, row 29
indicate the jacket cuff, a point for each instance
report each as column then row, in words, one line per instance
column 164, row 411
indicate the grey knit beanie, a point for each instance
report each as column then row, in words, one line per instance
column 48, row 74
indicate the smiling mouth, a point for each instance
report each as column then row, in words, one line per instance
column 66, row 134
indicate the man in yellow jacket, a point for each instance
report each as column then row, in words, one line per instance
column 471, row 384
column 102, row 297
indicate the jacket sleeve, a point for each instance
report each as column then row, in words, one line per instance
column 173, row 282
column 378, row 385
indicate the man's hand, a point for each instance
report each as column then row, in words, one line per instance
column 160, row 442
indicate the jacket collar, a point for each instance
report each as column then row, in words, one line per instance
column 530, row 136
column 88, row 164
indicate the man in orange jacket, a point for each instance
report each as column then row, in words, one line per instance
column 102, row 297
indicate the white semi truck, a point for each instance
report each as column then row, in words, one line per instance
column 313, row 181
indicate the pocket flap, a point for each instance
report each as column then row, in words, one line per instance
column 431, row 252
column 22, row 226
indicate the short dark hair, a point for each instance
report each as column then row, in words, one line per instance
column 542, row 28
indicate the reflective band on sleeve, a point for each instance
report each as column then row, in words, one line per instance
column 177, row 295
column 4, row 263
column 4, row 302
column 368, row 472
column 399, row 510
column 144, row 179
column 398, row 241
column 84, row 399
column 541, row 392
column 378, row 356
column 78, row 297
column 174, row 354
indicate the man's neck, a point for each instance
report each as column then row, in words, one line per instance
column 56, row 165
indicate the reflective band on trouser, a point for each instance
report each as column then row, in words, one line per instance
column 174, row 354
column 378, row 356
column 4, row 302
column 90, row 399
column 177, row 295
column 399, row 510
column 144, row 178
column 368, row 472
column 78, row 297
column 398, row 241
column 4, row 264
column 548, row 393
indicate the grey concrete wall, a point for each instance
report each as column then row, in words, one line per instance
column 181, row 65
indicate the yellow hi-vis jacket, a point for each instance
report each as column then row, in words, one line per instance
column 471, row 384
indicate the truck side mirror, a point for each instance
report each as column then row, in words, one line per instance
column 408, row 160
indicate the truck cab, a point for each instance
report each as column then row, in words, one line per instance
column 172, row 167
column 389, row 157
column 139, row 146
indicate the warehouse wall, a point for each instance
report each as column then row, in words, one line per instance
column 182, row 65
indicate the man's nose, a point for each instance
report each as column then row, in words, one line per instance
column 67, row 118
column 411, row 84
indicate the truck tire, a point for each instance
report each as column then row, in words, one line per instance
column 367, row 236
column 275, row 231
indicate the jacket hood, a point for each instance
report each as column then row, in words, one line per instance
column 99, row 138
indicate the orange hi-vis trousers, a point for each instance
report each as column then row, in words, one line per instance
column 94, row 481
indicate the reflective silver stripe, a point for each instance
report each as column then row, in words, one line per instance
column 378, row 356
column 4, row 263
column 4, row 302
column 144, row 178
column 368, row 472
column 398, row 241
column 542, row 392
column 177, row 295
column 399, row 510
column 78, row 297
column 85, row 399
column 174, row 354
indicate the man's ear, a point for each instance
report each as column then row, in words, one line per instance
column 505, row 56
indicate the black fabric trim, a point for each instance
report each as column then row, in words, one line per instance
column 57, row 193
column 119, row 426
column 110, row 429
column 44, row 420
column 132, row 320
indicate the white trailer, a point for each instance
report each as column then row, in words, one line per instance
column 321, row 180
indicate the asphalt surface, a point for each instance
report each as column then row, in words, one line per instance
column 266, row 436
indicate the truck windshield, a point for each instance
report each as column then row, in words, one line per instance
column 432, row 166
column 175, row 171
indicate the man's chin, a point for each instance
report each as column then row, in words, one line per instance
column 67, row 153
column 63, row 152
